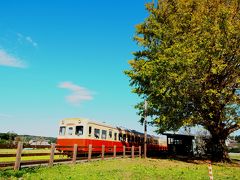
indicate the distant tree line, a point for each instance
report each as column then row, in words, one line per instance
column 236, row 138
column 7, row 138
column 12, row 137
column 235, row 148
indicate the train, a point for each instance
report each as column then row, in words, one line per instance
column 84, row 132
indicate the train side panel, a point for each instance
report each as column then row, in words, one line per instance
column 84, row 132
column 84, row 143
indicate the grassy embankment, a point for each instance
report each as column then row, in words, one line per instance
column 129, row 169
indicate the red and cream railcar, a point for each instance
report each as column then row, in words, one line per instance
column 84, row 132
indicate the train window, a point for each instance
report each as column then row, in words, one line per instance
column 137, row 139
column 124, row 137
column 120, row 138
column 177, row 141
column 104, row 134
column 115, row 136
column 62, row 130
column 79, row 130
column 170, row 141
column 70, row 131
column 89, row 130
column 128, row 138
column 110, row 134
column 97, row 133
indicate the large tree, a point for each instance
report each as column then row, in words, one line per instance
column 188, row 67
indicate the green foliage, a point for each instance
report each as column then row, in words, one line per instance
column 27, row 138
column 235, row 156
column 9, row 137
column 128, row 169
column 237, row 138
column 188, row 66
column 235, row 149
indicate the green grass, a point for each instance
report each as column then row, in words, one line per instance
column 129, row 169
column 24, row 158
column 13, row 151
column 235, row 156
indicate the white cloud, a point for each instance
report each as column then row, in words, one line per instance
column 78, row 94
column 28, row 39
column 20, row 36
column 9, row 60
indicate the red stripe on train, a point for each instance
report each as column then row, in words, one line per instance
column 96, row 144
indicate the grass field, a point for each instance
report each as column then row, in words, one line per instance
column 13, row 151
column 128, row 169
column 235, row 156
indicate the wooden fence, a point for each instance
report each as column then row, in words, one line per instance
column 72, row 158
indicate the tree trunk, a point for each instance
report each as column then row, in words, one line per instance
column 218, row 148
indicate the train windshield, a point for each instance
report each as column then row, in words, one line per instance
column 70, row 131
column 79, row 130
column 62, row 130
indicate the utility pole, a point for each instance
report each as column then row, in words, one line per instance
column 145, row 129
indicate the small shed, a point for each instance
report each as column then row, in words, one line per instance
column 180, row 144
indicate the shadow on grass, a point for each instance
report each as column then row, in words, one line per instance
column 7, row 173
column 195, row 160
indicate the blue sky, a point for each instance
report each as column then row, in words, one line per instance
column 65, row 58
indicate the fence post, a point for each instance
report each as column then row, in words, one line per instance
column 140, row 151
column 210, row 173
column 124, row 151
column 89, row 152
column 52, row 154
column 132, row 152
column 74, row 158
column 18, row 156
column 103, row 150
column 114, row 151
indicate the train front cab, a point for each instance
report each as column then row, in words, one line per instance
column 72, row 131
column 84, row 132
